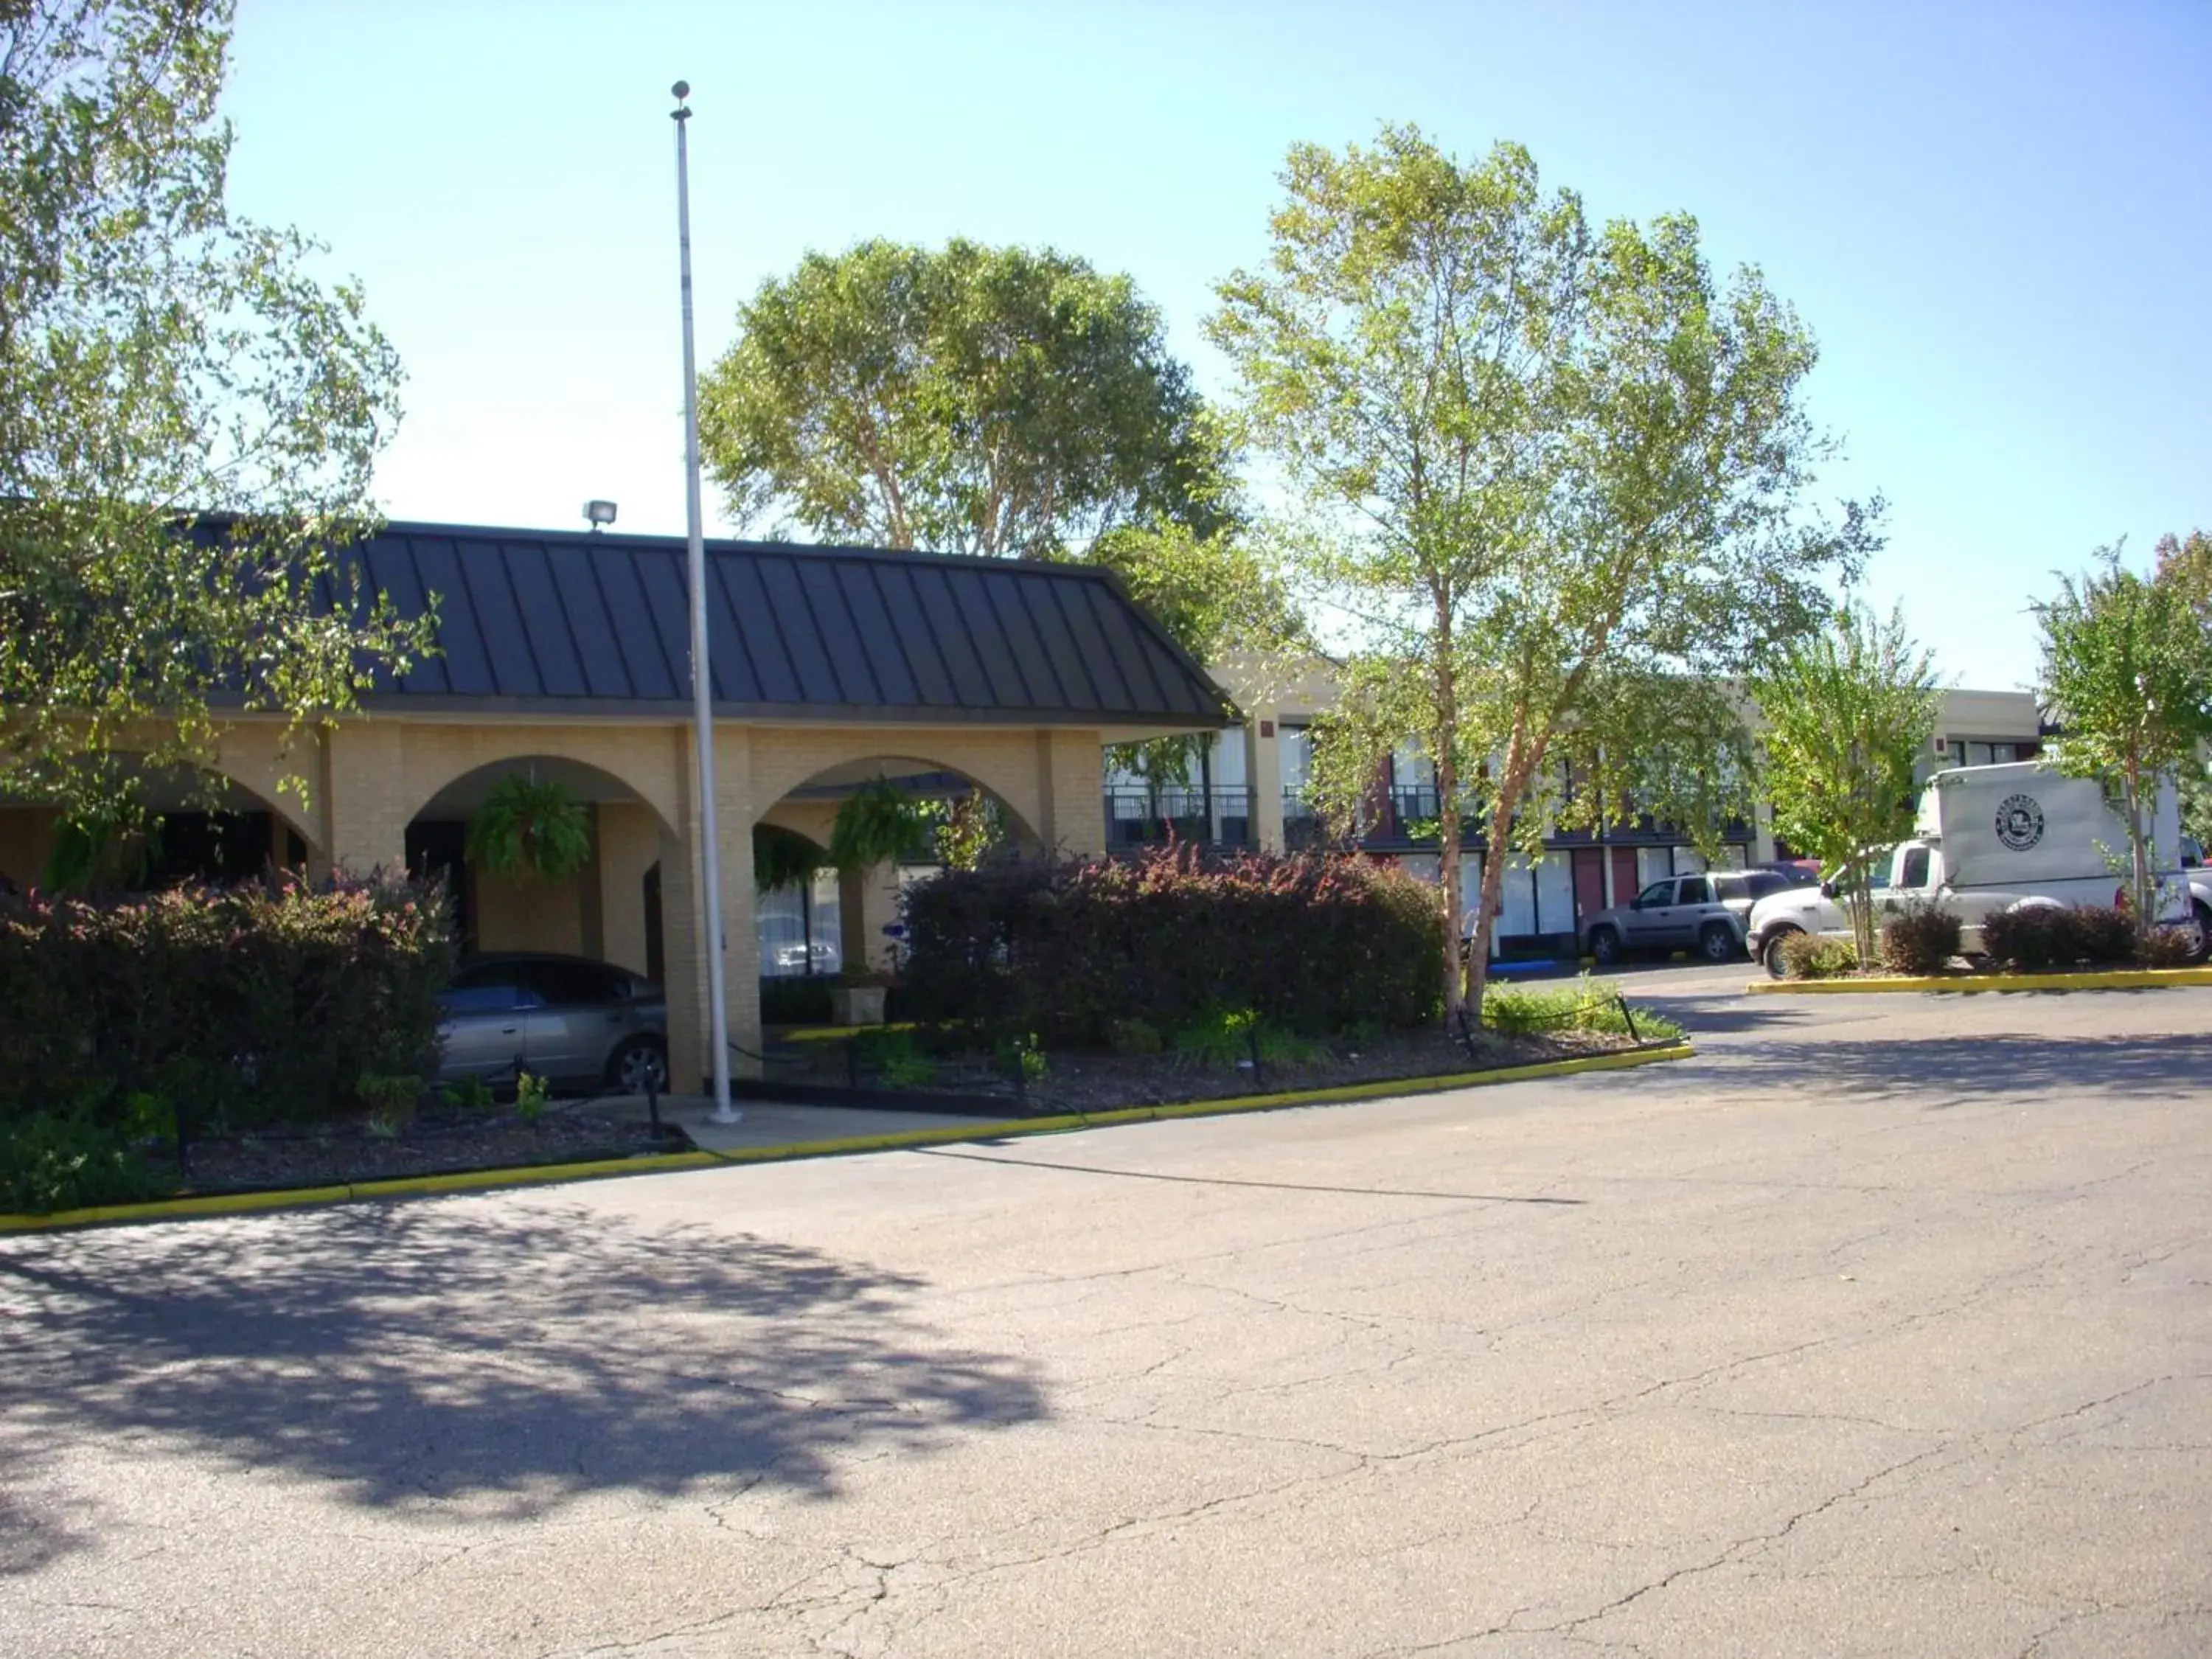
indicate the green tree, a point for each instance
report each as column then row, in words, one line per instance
column 1846, row 711
column 2126, row 673
column 2186, row 562
column 1552, row 475
column 981, row 400
column 1224, row 602
column 188, row 417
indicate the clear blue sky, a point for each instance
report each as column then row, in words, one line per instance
column 1997, row 218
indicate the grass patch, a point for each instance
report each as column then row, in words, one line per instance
column 1585, row 1005
column 1818, row 955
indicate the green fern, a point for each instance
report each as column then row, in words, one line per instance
column 879, row 823
column 531, row 829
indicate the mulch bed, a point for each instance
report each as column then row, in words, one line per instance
column 436, row 1144
column 455, row 1139
column 1094, row 1082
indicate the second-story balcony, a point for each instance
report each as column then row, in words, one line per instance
column 1220, row 817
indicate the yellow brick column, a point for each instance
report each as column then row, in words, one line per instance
column 1263, row 773
column 365, row 804
column 1071, row 794
column 684, row 964
column 628, row 842
column 737, row 812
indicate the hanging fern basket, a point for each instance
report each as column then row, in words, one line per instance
column 532, row 830
column 878, row 823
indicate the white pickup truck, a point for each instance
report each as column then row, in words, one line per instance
column 1991, row 838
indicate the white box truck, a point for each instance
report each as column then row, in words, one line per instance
column 1991, row 838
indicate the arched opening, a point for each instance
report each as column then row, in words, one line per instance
column 814, row 924
column 605, row 909
column 187, row 824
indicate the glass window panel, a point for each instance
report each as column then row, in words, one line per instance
column 1555, row 895
column 1517, row 910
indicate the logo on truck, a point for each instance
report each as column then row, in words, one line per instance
column 2020, row 822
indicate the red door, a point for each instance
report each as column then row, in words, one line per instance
column 1623, row 874
column 1589, row 883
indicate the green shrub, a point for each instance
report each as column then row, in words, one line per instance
column 1818, row 955
column 1311, row 944
column 244, row 1006
column 1224, row 1036
column 1133, row 1037
column 69, row 1162
column 1922, row 939
column 532, row 1094
column 893, row 1055
column 1585, row 1005
column 1023, row 1056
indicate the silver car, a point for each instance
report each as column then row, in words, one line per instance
column 1705, row 913
column 581, row 1025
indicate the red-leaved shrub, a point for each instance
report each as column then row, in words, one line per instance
column 243, row 1005
column 1314, row 943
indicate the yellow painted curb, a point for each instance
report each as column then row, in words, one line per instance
column 842, row 1033
column 653, row 1163
column 2116, row 979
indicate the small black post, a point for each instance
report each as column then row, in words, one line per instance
column 653, row 1105
column 183, row 1146
column 1021, row 1077
column 1252, row 1042
column 1628, row 1019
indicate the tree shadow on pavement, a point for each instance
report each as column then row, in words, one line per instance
column 447, row 1351
column 1708, row 1013
column 1945, row 1069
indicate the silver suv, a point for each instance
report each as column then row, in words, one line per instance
column 1705, row 913
column 577, row 1023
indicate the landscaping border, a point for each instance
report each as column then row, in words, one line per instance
column 2113, row 979
column 216, row 1203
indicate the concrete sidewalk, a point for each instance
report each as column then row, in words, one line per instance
column 775, row 1123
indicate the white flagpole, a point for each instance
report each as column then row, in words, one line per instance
column 702, row 678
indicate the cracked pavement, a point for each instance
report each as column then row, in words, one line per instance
column 1883, row 1326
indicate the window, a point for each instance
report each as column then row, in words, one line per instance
column 1297, row 755
column 1916, row 868
column 1228, row 759
column 1695, row 890
column 1656, row 897
column 574, row 984
column 1726, row 888
column 487, row 996
column 1411, row 769
column 1555, row 893
column 1759, row 882
column 1516, row 904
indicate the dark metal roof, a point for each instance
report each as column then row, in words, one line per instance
column 582, row 624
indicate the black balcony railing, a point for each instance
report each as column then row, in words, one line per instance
column 1220, row 817
column 1414, row 808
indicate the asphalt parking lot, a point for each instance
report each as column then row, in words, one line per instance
column 1882, row 1327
